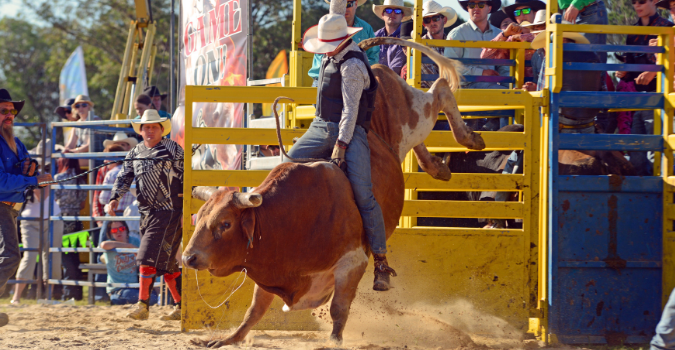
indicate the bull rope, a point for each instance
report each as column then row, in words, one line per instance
column 281, row 144
column 228, row 297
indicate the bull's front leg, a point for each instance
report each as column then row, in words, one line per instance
column 261, row 302
column 431, row 164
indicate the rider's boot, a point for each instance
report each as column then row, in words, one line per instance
column 382, row 272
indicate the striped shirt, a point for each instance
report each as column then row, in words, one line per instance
column 158, row 183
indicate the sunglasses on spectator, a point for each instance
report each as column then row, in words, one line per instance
column 428, row 20
column 525, row 11
column 119, row 229
column 480, row 5
column 351, row 3
column 80, row 105
column 389, row 11
column 641, row 2
column 6, row 111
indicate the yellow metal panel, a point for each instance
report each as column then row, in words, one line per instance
column 464, row 182
column 229, row 178
column 417, row 181
column 494, row 140
column 243, row 136
column 610, row 29
column 457, row 231
column 252, row 94
column 668, row 263
column 476, row 44
column 463, row 209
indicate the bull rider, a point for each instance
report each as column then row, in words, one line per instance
column 344, row 104
column 16, row 176
column 159, row 184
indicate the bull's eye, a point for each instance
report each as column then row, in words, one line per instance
column 226, row 225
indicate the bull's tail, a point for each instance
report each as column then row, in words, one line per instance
column 449, row 69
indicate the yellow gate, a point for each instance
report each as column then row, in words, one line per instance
column 495, row 270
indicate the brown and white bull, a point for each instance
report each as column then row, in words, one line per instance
column 299, row 234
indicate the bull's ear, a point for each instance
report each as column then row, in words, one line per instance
column 248, row 224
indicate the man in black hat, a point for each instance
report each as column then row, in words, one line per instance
column 16, row 175
column 66, row 111
column 157, row 98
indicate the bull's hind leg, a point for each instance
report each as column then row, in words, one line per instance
column 444, row 98
column 348, row 273
column 261, row 302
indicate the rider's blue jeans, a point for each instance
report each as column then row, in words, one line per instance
column 318, row 142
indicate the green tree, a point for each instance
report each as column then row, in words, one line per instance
column 29, row 68
column 101, row 27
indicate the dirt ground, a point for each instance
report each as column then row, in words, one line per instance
column 105, row 327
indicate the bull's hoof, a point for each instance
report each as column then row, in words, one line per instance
column 211, row 343
column 476, row 141
column 199, row 342
column 4, row 319
column 336, row 339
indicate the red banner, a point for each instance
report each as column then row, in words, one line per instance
column 213, row 52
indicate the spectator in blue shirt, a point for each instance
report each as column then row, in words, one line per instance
column 393, row 13
column 373, row 53
column 15, row 165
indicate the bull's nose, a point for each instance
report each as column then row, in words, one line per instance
column 190, row 260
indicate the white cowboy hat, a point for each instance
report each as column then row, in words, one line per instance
column 432, row 8
column 150, row 116
column 358, row 3
column 396, row 4
column 326, row 36
column 540, row 41
column 121, row 136
column 539, row 18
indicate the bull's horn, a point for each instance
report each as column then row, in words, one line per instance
column 203, row 192
column 248, row 200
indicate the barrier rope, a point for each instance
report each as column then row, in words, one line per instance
column 194, row 149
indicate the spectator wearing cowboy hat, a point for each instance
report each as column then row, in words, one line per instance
column 500, row 20
column 66, row 111
column 157, row 98
column 518, row 32
column 587, row 12
column 159, row 184
column 15, row 177
column 79, row 139
column 345, row 96
column 373, row 53
column 435, row 19
column 478, row 28
column 393, row 13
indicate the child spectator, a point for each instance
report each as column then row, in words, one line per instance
column 121, row 266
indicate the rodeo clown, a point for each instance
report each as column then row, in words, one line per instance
column 344, row 104
column 159, row 184
column 16, row 176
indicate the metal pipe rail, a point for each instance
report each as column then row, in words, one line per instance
column 107, row 126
